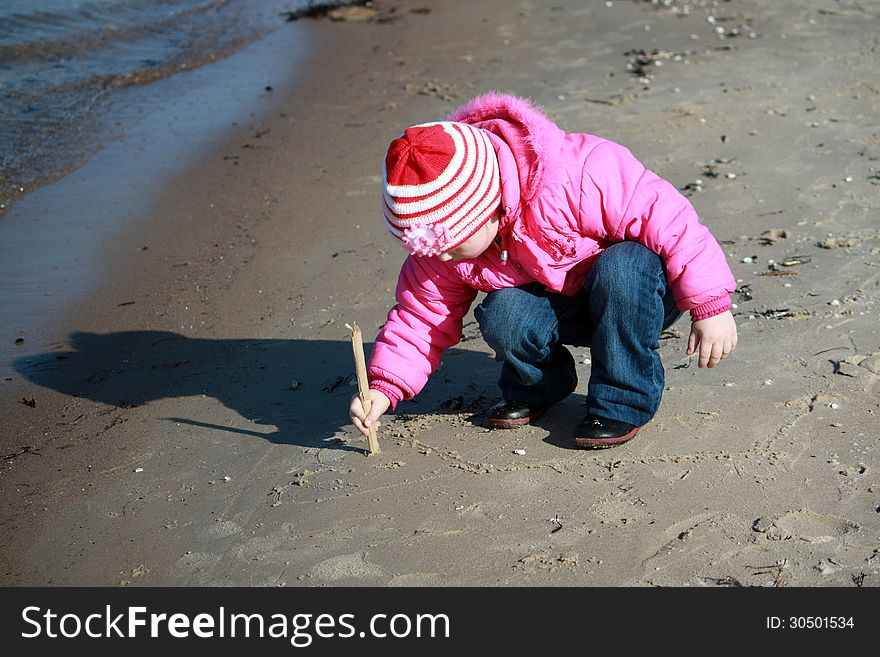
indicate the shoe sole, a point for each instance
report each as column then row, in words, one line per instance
column 513, row 424
column 605, row 443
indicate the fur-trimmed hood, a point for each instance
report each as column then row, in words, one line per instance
column 531, row 136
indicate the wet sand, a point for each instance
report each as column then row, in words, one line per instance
column 189, row 426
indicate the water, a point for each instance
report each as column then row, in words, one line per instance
column 63, row 64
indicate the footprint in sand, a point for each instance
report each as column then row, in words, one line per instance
column 223, row 528
column 347, row 567
column 812, row 527
column 274, row 548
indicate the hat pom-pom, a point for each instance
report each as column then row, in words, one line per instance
column 426, row 240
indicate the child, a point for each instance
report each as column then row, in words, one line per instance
column 575, row 242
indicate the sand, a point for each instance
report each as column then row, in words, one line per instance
column 186, row 424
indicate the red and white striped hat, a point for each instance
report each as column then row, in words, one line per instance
column 441, row 185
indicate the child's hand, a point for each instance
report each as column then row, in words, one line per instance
column 716, row 337
column 361, row 420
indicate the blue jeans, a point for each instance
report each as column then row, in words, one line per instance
column 621, row 310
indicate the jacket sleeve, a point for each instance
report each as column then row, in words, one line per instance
column 637, row 205
column 427, row 320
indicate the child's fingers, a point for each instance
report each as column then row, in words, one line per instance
column 360, row 426
column 692, row 343
column 729, row 346
column 356, row 409
column 364, row 427
column 710, row 353
column 357, row 415
column 374, row 414
column 705, row 353
column 372, row 422
column 378, row 407
column 362, row 421
column 716, row 354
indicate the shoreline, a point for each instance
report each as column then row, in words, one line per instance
column 199, row 436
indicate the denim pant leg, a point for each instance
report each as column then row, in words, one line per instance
column 522, row 325
column 630, row 305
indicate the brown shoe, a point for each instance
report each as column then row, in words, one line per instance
column 512, row 414
column 599, row 433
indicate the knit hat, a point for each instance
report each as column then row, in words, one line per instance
column 441, row 185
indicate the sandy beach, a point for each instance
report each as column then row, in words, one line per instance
column 185, row 421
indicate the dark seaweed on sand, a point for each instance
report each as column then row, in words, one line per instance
column 319, row 9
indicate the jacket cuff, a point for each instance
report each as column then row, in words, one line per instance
column 711, row 308
column 388, row 389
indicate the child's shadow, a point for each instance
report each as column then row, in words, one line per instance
column 560, row 420
column 302, row 387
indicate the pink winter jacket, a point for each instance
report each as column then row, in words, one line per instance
column 565, row 198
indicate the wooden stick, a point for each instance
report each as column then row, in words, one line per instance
column 360, row 368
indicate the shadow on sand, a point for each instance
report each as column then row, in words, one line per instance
column 302, row 387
